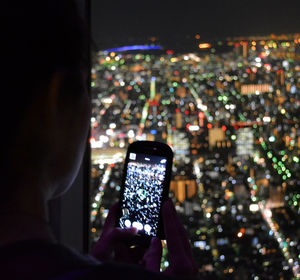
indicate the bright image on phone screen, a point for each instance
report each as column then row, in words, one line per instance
column 143, row 192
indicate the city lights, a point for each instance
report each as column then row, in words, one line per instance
column 254, row 207
column 194, row 128
column 204, row 46
column 232, row 120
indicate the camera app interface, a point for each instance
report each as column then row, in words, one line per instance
column 142, row 193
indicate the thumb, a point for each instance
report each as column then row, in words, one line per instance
column 105, row 246
column 119, row 235
column 110, row 221
column 152, row 257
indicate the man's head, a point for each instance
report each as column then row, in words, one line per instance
column 45, row 106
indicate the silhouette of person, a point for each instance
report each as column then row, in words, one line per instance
column 44, row 88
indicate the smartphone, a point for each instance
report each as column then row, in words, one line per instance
column 145, row 186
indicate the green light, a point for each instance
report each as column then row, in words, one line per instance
column 295, row 159
column 233, row 137
column 220, row 98
column 254, row 187
column 279, row 172
column 295, row 203
column 282, row 111
column 289, row 175
column 272, row 138
column 284, row 177
column 269, row 154
column 283, row 168
column 275, row 166
column 225, row 98
column 152, row 89
column 175, row 84
column 274, row 159
column 92, row 84
column 282, row 153
column 242, row 118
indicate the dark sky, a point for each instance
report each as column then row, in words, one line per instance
column 117, row 23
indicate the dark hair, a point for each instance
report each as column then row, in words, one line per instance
column 38, row 38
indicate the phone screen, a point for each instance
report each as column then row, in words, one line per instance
column 143, row 190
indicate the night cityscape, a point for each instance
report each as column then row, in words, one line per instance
column 230, row 111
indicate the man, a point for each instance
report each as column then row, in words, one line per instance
column 44, row 86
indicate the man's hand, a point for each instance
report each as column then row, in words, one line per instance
column 113, row 245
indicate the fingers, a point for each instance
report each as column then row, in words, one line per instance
column 104, row 248
column 122, row 253
column 152, row 257
column 180, row 252
column 110, row 221
column 181, row 231
column 174, row 235
column 120, row 235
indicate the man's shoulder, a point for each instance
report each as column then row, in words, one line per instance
column 113, row 271
column 38, row 259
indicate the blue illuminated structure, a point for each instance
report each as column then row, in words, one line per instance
column 133, row 48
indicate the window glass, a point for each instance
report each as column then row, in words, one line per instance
column 229, row 108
